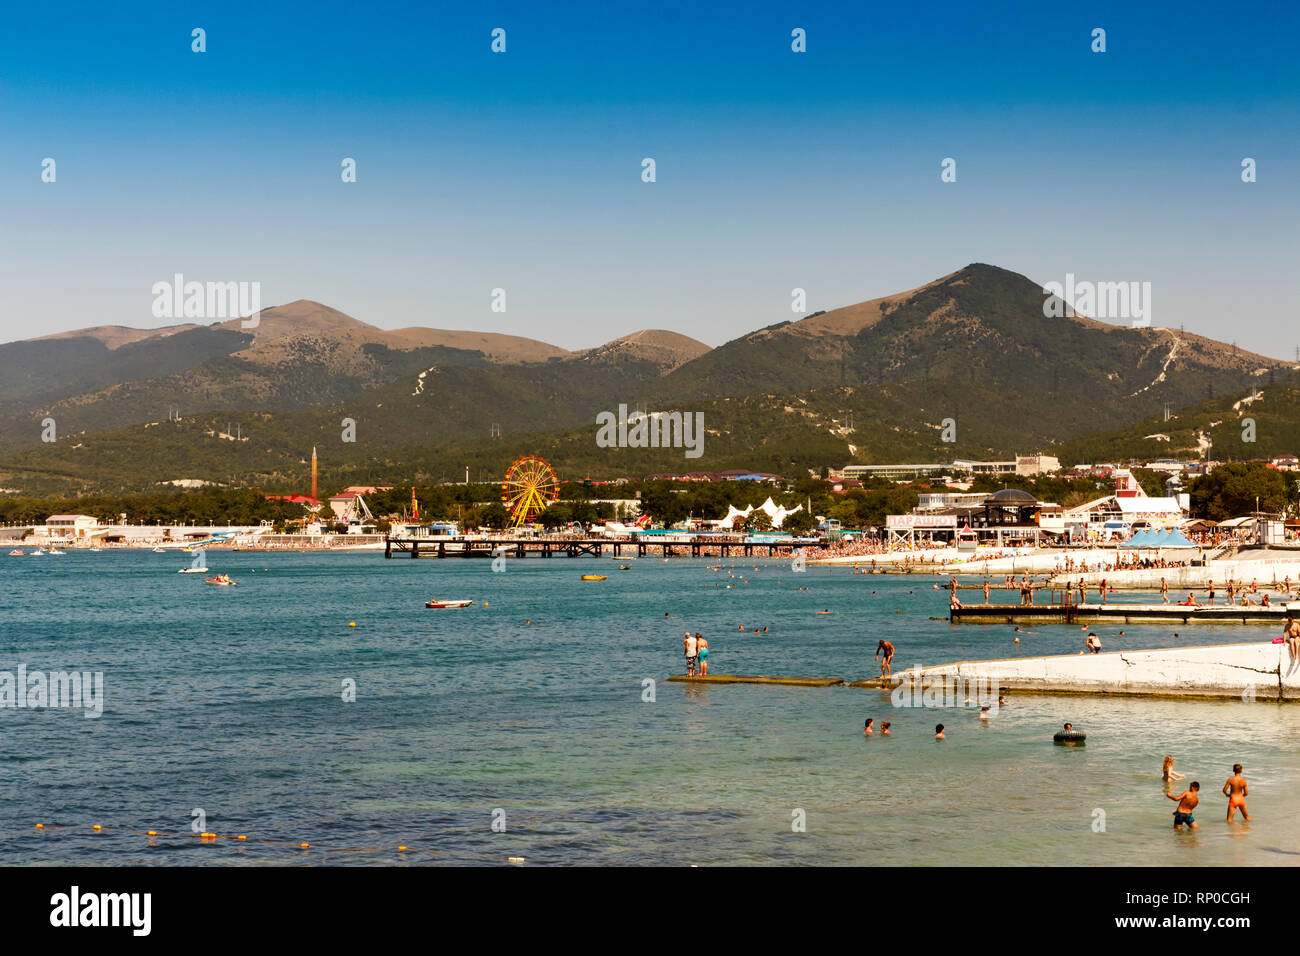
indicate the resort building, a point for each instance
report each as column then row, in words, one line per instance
column 1021, row 465
column 69, row 527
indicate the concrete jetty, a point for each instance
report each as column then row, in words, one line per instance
column 1117, row 613
column 758, row 679
column 1248, row 672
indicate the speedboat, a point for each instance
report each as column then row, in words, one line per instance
column 159, row 550
column 193, row 570
column 39, row 551
column 17, row 554
column 56, row 551
column 220, row 579
column 440, row 604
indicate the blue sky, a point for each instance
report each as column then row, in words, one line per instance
column 522, row 170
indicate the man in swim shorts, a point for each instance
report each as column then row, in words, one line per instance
column 1187, row 801
column 1292, row 634
column 691, row 652
column 886, row 663
column 1235, row 790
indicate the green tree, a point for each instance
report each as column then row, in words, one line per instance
column 1230, row 490
column 799, row 523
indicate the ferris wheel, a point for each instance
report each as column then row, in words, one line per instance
column 529, row 487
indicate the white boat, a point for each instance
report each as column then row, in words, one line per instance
column 39, row 551
column 159, row 550
column 442, row 604
column 56, row 551
column 194, row 571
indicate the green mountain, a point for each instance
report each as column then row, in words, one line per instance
column 871, row 382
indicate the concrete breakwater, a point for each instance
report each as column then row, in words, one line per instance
column 1248, row 672
column 1267, row 573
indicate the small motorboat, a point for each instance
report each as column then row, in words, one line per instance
column 17, row 554
column 39, row 551
column 223, row 580
column 194, row 571
column 159, row 550
column 440, row 604
column 625, row 567
column 56, row 551
column 593, row 577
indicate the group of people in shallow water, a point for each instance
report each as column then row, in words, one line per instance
column 1235, row 789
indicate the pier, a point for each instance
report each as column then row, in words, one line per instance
column 1244, row 672
column 587, row 547
column 1071, row 613
column 756, row 679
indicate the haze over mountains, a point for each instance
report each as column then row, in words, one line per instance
column 974, row 346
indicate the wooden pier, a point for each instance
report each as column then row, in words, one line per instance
column 586, row 547
column 1070, row 613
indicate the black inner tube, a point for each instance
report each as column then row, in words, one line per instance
column 1069, row 737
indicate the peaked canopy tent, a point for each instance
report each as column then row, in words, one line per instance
column 1150, row 539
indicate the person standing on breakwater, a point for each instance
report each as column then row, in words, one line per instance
column 692, row 649
column 1164, row 591
column 1291, row 632
column 986, row 590
column 703, row 647
column 1235, row 790
column 1187, row 801
column 1210, row 591
column 886, row 663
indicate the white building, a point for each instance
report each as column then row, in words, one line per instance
column 70, row 527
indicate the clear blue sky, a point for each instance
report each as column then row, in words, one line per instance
column 522, row 171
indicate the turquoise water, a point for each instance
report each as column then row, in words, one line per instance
column 230, row 700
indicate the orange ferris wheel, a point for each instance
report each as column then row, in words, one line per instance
column 530, row 486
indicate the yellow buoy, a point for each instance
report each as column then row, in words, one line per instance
column 486, row 604
column 241, row 837
column 97, row 827
column 352, row 623
column 153, row 833
column 401, row 848
column 40, row 826
column 304, row 845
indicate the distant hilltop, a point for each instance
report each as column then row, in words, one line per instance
column 978, row 364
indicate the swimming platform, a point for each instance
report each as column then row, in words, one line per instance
column 1262, row 672
column 759, row 679
column 1123, row 613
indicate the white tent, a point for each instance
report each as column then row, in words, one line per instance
column 776, row 512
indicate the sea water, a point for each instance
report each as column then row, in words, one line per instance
column 524, row 726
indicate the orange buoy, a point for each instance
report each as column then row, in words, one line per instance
column 97, row 827
column 241, row 837
column 304, row 845
column 152, row 833
column 40, row 826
